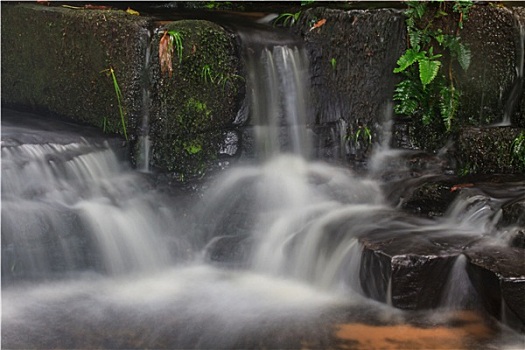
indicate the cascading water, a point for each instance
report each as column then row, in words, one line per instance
column 144, row 140
column 517, row 86
column 94, row 257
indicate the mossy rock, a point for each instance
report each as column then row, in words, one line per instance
column 487, row 151
column 56, row 59
column 194, row 105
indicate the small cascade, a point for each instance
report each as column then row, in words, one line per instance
column 384, row 158
column 389, row 292
column 278, row 78
column 76, row 206
column 144, row 151
column 458, row 292
column 515, row 94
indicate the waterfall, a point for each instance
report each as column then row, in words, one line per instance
column 74, row 206
column 143, row 157
column 269, row 254
column 278, row 81
column 515, row 94
column 458, row 292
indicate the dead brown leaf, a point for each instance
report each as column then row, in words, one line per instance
column 165, row 54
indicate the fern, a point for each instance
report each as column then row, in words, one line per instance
column 448, row 104
column 463, row 56
column 409, row 95
column 428, row 88
column 410, row 57
column 428, row 70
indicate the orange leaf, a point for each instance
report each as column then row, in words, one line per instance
column 318, row 24
column 165, row 54
column 460, row 186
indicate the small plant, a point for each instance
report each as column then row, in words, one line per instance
column 111, row 72
column 216, row 5
column 192, row 148
column 166, row 49
column 287, row 19
column 177, row 39
column 206, row 74
column 363, row 135
column 224, row 79
column 429, row 87
column 333, row 63
column 517, row 149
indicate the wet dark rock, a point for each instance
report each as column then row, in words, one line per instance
column 431, row 197
column 498, row 275
column 493, row 36
column 47, row 48
column 56, row 60
column 414, row 268
column 514, row 213
column 352, row 57
column 191, row 111
column 518, row 241
column 486, row 150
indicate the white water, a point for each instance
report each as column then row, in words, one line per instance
column 144, row 140
column 517, row 87
column 277, row 78
column 144, row 280
column 458, row 292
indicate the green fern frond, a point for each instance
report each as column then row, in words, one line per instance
column 409, row 58
column 463, row 56
column 428, row 70
column 448, row 105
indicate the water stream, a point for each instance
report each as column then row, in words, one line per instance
column 517, row 86
column 144, row 140
column 94, row 256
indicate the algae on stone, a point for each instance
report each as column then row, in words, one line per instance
column 194, row 107
column 53, row 60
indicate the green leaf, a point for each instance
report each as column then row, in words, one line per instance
column 409, row 58
column 448, row 105
column 464, row 56
column 426, row 118
column 419, row 8
column 408, row 94
column 415, row 38
column 428, row 70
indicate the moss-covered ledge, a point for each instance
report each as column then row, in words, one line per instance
column 194, row 107
column 54, row 58
column 58, row 60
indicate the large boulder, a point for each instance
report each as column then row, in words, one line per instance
column 352, row 58
column 194, row 107
column 67, row 61
column 57, row 60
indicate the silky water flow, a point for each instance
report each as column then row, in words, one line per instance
column 93, row 256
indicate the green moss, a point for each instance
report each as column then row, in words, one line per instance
column 487, row 151
column 52, row 59
column 198, row 101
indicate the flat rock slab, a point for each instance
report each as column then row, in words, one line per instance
column 410, row 272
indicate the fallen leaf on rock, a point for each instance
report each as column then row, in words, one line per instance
column 130, row 11
column 165, row 54
column 318, row 24
column 460, row 186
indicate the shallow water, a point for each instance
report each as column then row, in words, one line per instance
column 200, row 306
column 146, row 279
